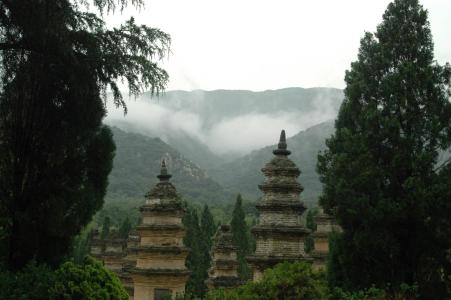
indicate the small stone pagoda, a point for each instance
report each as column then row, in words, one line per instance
column 97, row 245
column 114, row 252
column 224, row 269
column 110, row 250
column 279, row 233
column 325, row 224
column 160, row 270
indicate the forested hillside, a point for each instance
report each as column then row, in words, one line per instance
column 211, row 128
column 137, row 163
column 138, row 157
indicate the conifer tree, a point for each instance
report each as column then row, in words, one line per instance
column 380, row 171
column 125, row 228
column 207, row 226
column 196, row 261
column 240, row 237
column 58, row 59
column 310, row 224
column 105, row 228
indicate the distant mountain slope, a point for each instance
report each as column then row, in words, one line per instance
column 189, row 146
column 214, row 127
column 243, row 175
column 214, row 106
column 137, row 163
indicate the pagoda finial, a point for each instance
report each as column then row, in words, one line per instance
column 282, row 146
column 282, row 141
column 164, row 175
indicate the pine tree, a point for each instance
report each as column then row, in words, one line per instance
column 207, row 226
column 196, row 261
column 57, row 62
column 125, row 228
column 310, row 224
column 241, row 237
column 105, row 228
column 380, row 172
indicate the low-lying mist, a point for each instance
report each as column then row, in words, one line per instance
column 227, row 127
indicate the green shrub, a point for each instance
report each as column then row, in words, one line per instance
column 32, row 283
column 286, row 281
column 89, row 280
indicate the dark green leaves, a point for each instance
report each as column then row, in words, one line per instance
column 379, row 171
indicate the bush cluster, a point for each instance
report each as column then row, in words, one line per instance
column 89, row 280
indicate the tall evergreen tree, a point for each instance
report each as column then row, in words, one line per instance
column 380, row 172
column 196, row 261
column 310, row 224
column 105, row 228
column 125, row 228
column 241, row 237
column 55, row 155
column 207, row 226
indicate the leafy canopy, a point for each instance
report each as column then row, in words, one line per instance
column 380, row 171
column 88, row 280
column 57, row 62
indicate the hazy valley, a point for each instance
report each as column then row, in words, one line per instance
column 202, row 173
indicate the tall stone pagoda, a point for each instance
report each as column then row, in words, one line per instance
column 224, row 270
column 279, row 233
column 160, row 270
column 325, row 224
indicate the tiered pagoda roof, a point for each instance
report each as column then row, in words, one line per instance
column 224, row 270
column 160, row 253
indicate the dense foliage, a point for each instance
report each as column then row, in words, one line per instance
column 57, row 60
column 241, row 238
column 89, row 280
column 381, row 175
column 207, row 226
column 105, row 230
column 198, row 239
column 285, row 281
column 297, row 281
column 310, row 224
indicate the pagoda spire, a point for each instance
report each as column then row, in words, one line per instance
column 164, row 175
column 279, row 233
column 282, row 145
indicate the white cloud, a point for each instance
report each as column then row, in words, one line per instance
column 235, row 135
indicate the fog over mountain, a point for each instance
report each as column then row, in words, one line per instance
column 230, row 123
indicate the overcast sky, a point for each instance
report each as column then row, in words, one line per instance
column 269, row 44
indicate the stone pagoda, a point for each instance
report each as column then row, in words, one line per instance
column 325, row 224
column 97, row 245
column 160, row 270
column 224, row 269
column 114, row 252
column 129, row 262
column 110, row 250
column 279, row 232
